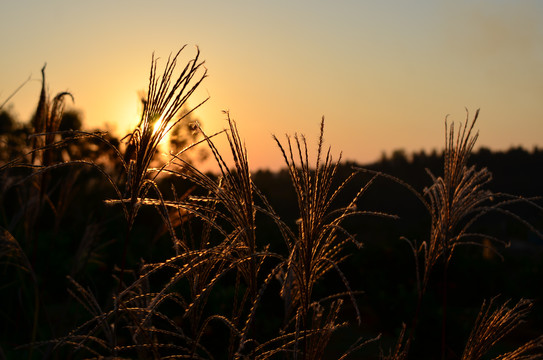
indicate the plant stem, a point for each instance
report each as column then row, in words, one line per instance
column 444, row 314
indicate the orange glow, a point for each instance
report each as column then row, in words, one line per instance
column 164, row 142
column 157, row 125
column 383, row 80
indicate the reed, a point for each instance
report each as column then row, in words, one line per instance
column 318, row 247
column 221, row 291
column 492, row 325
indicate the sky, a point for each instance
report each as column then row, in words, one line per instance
column 384, row 74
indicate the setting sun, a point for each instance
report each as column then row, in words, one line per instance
column 271, row 180
column 383, row 74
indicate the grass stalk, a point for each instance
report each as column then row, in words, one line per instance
column 221, row 280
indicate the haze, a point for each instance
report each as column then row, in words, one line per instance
column 385, row 74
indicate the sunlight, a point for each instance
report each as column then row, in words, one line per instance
column 163, row 144
column 126, row 114
column 157, row 124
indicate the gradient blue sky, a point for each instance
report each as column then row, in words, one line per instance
column 383, row 73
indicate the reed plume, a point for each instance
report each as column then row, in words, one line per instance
column 495, row 323
column 220, row 282
column 166, row 96
column 455, row 199
column 318, row 246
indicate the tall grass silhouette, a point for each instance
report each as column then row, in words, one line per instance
column 318, row 246
column 221, row 291
column 454, row 201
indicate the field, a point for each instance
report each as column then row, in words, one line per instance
column 108, row 251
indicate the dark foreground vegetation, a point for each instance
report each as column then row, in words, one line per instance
column 108, row 251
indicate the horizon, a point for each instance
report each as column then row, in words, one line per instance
column 385, row 76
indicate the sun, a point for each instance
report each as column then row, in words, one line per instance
column 163, row 144
column 158, row 123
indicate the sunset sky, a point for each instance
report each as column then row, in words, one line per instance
column 384, row 74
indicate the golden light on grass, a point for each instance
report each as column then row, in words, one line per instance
column 231, row 260
column 164, row 140
column 156, row 126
